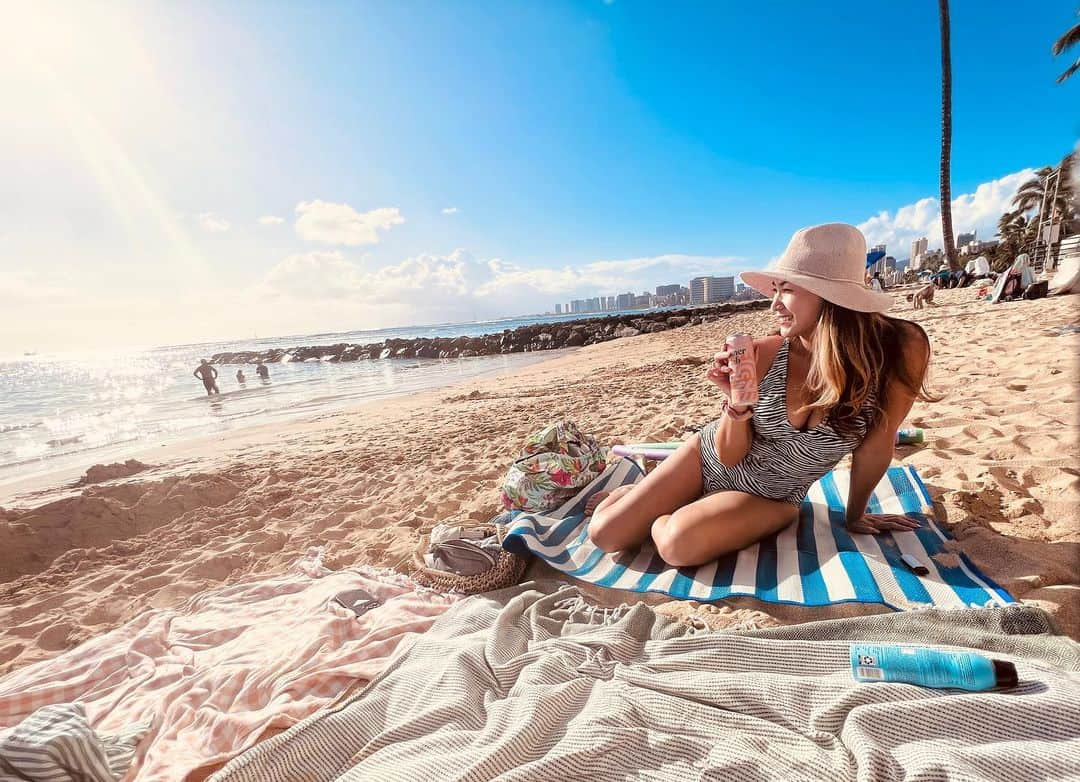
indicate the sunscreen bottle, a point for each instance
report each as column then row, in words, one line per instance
column 930, row 667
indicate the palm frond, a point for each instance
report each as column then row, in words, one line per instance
column 1028, row 203
column 1011, row 222
column 1069, row 71
column 1071, row 38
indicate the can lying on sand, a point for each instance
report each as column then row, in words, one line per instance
column 744, row 381
column 909, row 435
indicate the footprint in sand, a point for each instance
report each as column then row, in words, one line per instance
column 55, row 637
column 102, row 613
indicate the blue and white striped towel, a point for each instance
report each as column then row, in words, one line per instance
column 815, row 562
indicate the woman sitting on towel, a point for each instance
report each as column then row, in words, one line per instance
column 839, row 378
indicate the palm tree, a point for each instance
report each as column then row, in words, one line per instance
column 1030, row 195
column 1015, row 231
column 1071, row 37
column 947, row 237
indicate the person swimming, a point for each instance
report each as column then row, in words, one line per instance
column 262, row 370
column 240, row 378
column 206, row 372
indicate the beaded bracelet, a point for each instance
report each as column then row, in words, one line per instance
column 726, row 409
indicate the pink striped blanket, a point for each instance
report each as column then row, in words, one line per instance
column 231, row 664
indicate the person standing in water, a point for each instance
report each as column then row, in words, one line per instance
column 262, row 370
column 240, row 378
column 208, row 375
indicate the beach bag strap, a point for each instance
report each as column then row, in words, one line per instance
column 506, row 568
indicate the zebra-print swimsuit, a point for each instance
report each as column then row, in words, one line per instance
column 783, row 462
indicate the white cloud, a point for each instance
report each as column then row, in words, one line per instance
column 321, row 221
column 271, row 220
column 450, row 210
column 436, row 287
column 211, row 223
column 978, row 211
column 314, row 275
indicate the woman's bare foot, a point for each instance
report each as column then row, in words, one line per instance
column 604, row 498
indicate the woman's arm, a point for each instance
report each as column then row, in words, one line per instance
column 873, row 456
column 868, row 464
column 733, row 438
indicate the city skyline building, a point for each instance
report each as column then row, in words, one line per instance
column 670, row 295
column 710, row 290
column 878, row 267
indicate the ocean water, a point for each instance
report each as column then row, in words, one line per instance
column 61, row 410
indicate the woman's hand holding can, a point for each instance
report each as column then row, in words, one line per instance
column 720, row 373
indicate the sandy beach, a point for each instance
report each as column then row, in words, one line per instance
column 1000, row 459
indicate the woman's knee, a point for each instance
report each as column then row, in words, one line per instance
column 603, row 530
column 675, row 546
column 612, row 529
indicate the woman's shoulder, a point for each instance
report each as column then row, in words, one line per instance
column 914, row 344
column 765, row 350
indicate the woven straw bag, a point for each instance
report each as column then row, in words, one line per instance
column 507, row 570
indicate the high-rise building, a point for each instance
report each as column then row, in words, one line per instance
column 964, row 239
column 918, row 250
column 668, row 290
column 877, row 266
column 558, row 309
column 698, row 290
column 918, row 247
column 710, row 290
column 724, row 286
column 624, row 301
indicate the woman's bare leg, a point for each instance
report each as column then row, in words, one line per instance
column 718, row 524
column 624, row 522
column 602, row 499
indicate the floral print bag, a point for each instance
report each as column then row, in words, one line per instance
column 555, row 464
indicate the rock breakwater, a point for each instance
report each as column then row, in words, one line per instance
column 538, row 336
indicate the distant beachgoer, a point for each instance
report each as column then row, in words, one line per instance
column 875, row 282
column 208, row 375
column 744, row 476
column 924, row 295
column 1019, row 277
column 942, row 277
column 978, row 268
column 262, row 370
column 240, row 377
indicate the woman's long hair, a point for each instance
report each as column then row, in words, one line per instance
column 854, row 359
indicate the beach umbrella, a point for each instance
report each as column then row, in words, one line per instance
column 874, row 257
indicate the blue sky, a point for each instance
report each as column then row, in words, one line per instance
column 189, row 171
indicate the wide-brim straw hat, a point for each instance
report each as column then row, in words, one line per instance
column 828, row 260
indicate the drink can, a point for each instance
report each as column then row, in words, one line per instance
column 910, row 435
column 744, row 381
